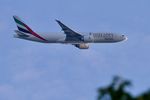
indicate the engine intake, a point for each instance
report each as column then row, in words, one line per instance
column 82, row 46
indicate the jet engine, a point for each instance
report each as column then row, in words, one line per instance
column 82, row 46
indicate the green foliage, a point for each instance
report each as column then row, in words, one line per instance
column 116, row 91
column 144, row 96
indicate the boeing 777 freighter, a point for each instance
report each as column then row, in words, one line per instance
column 79, row 40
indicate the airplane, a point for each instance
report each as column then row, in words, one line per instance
column 79, row 40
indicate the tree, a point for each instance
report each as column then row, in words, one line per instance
column 144, row 96
column 116, row 90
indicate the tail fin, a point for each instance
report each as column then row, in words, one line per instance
column 21, row 25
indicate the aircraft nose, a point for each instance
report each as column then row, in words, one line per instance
column 124, row 37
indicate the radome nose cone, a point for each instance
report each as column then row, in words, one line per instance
column 126, row 38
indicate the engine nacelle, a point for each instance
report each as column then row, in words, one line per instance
column 82, row 46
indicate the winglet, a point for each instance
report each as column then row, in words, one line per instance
column 65, row 28
column 70, row 34
column 61, row 24
column 57, row 20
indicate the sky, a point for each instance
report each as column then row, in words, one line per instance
column 36, row 71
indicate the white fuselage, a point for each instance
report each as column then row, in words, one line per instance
column 87, row 38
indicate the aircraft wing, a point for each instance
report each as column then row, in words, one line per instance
column 70, row 34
